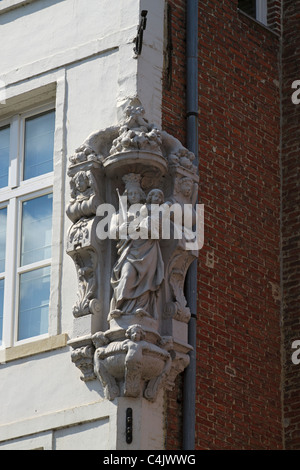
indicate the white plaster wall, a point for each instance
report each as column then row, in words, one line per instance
column 86, row 49
column 41, row 385
column 46, row 27
column 150, row 63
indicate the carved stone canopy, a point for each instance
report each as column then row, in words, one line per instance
column 133, row 287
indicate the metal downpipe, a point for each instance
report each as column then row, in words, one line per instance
column 189, row 387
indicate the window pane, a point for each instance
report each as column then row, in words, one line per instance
column 4, row 156
column 34, row 303
column 3, row 215
column 248, row 6
column 36, row 230
column 1, row 308
column 39, row 144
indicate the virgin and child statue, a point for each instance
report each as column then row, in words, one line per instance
column 139, row 270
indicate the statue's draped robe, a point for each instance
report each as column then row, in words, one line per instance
column 137, row 275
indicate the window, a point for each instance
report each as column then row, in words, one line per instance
column 255, row 8
column 4, row 156
column 3, row 218
column 26, row 183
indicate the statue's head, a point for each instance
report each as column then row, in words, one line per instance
column 133, row 189
column 135, row 333
column 186, row 186
column 155, row 196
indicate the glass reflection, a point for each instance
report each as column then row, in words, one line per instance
column 39, row 145
column 4, row 156
column 34, row 303
column 36, row 230
column 3, row 217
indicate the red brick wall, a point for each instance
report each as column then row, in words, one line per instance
column 238, row 352
column 291, row 220
column 274, row 15
column 173, row 103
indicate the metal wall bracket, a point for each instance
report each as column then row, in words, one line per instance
column 139, row 39
column 129, row 424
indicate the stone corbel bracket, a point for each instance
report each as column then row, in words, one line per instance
column 132, row 367
column 83, row 247
column 82, row 356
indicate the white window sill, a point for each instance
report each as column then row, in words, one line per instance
column 265, row 26
column 32, row 348
column 7, row 5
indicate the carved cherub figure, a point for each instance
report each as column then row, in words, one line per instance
column 81, row 186
column 136, row 358
column 188, row 190
column 154, row 211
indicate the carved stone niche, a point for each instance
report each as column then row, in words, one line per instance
column 144, row 344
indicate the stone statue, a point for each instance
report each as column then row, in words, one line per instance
column 144, row 342
column 139, row 270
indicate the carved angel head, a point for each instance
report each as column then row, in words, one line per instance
column 186, row 186
column 80, row 184
column 155, row 196
column 135, row 333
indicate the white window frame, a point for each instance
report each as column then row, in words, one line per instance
column 3, row 273
column 12, row 197
column 262, row 11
